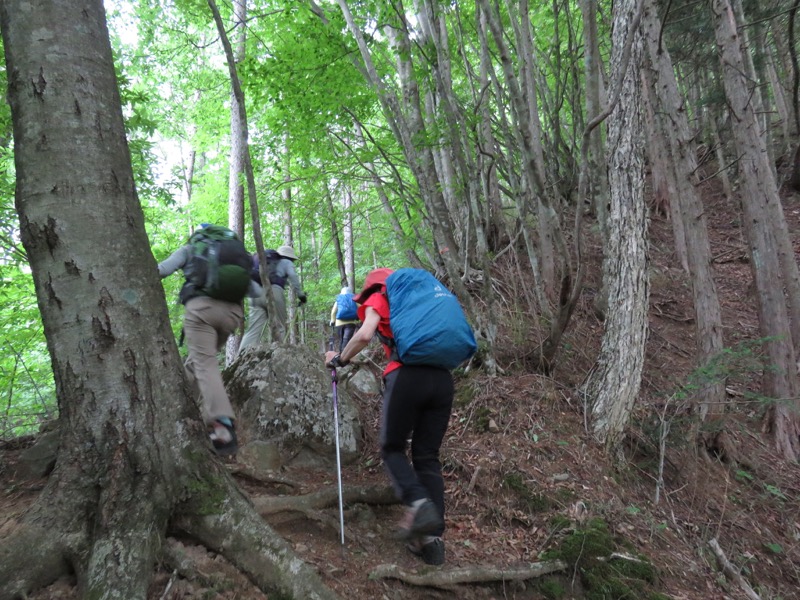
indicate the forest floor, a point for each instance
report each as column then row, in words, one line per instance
column 523, row 476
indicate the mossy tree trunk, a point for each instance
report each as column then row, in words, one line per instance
column 134, row 458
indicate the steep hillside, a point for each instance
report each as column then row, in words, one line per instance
column 527, row 484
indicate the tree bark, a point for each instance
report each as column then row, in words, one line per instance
column 134, row 456
column 774, row 269
column 614, row 384
column 236, row 171
column 598, row 176
column 236, row 89
column 671, row 120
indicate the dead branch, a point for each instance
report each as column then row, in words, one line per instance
column 730, row 571
column 444, row 578
column 169, row 585
column 474, row 479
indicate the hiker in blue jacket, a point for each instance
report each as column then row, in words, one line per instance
column 417, row 401
column 344, row 317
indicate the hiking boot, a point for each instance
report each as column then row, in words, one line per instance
column 421, row 519
column 223, row 437
column 429, row 549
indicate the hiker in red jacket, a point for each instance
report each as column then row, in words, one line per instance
column 417, row 401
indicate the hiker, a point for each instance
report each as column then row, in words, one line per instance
column 344, row 317
column 417, row 401
column 213, row 311
column 280, row 269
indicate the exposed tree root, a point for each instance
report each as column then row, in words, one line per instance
column 308, row 504
column 445, row 578
column 248, row 473
column 32, row 557
column 114, row 560
column 215, row 513
column 176, row 558
column 236, row 531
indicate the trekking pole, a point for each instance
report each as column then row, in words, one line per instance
column 334, row 379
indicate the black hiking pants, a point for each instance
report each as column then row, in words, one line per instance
column 416, row 404
column 344, row 333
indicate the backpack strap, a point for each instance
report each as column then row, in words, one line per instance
column 388, row 341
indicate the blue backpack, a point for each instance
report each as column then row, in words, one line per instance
column 346, row 309
column 427, row 322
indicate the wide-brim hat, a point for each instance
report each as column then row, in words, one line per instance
column 374, row 281
column 287, row 252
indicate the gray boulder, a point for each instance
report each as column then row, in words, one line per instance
column 362, row 382
column 283, row 397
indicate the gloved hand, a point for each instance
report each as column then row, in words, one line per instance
column 302, row 297
column 332, row 323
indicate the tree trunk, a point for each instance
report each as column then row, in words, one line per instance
column 288, row 239
column 613, row 386
column 537, row 199
column 497, row 233
column 598, row 177
column 349, row 255
column 236, row 171
column 765, row 227
column 779, row 98
column 335, row 237
column 133, row 451
column 666, row 202
column 671, row 120
column 236, row 89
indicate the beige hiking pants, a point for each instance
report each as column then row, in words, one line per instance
column 207, row 323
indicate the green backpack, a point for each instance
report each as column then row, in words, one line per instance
column 219, row 267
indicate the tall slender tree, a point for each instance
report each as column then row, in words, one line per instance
column 236, row 170
column 772, row 257
column 613, row 386
column 681, row 165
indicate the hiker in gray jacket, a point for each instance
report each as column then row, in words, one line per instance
column 257, row 329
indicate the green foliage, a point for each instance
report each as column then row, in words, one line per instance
column 774, row 548
column 775, row 491
column 26, row 380
column 480, row 418
column 551, row 588
column 464, row 395
column 738, row 363
column 559, row 522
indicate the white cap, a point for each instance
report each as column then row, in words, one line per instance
column 287, row 252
